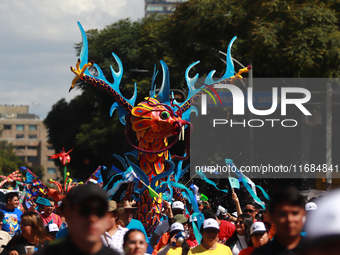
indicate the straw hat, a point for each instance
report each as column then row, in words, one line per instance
column 127, row 205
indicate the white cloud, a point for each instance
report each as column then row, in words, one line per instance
column 37, row 45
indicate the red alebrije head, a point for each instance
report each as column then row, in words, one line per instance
column 63, row 156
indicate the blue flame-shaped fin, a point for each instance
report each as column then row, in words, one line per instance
column 164, row 92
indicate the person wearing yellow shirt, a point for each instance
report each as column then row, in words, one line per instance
column 209, row 246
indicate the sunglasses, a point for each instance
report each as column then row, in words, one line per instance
column 88, row 209
column 239, row 222
column 248, row 210
column 135, row 242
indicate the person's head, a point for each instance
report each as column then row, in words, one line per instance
column 52, row 230
column 128, row 211
column 2, row 216
column 210, row 230
column 243, row 223
column 134, row 242
column 323, row 227
column 287, row 211
column 259, row 234
column 114, row 213
column 175, row 229
column 251, row 209
column 32, row 227
column 86, row 213
column 177, row 208
column 48, row 209
column 209, row 213
column 12, row 200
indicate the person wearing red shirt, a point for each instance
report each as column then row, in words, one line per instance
column 48, row 216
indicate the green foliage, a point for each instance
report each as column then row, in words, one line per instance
column 9, row 162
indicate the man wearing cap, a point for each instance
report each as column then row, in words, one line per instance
column 286, row 208
column 259, row 237
column 114, row 236
column 48, row 216
column 179, row 218
column 176, row 208
column 127, row 217
column 87, row 219
column 209, row 244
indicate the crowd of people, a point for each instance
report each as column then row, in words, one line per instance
column 85, row 222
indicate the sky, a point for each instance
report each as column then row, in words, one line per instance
column 37, row 46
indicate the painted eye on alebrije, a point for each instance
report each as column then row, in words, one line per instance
column 164, row 115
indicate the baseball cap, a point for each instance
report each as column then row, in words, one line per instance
column 311, row 206
column 52, row 227
column 176, row 226
column 257, row 227
column 79, row 194
column 210, row 223
column 180, row 218
column 177, row 205
column 325, row 221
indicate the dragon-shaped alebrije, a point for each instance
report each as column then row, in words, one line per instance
column 153, row 121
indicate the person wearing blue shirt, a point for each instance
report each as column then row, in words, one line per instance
column 12, row 214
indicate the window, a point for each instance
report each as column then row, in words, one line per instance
column 22, row 158
column 20, row 147
column 7, row 126
column 20, row 127
column 32, row 127
column 32, row 158
column 32, row 136
column 50, row 147
column 32, row 147
column 49, row 159
column 51, row 170
column 19, row 136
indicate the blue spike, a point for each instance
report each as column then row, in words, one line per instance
column 164, row 92
column 84, row 49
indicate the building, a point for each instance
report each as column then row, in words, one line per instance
column 161, row 6
column 29, row 136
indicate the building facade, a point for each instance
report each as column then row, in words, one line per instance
column 28, row 134
column 161, row 6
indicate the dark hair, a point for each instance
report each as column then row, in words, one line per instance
column 253, row 204
column 185, row 245
column 51, row 199
column 248, row 221
column 2, row 215
column 127, row 235
column 291, row 195
column 10, row 196
column 209, row 213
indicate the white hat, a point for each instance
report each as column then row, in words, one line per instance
column 311, row 206
column 177, row 205
column 257, row 227
column 325, row 221
column 234, row 214
column 52, row 227
column 210, row 223
column 176, row 226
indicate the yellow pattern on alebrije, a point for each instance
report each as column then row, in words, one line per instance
column 142, row 111
column 165, row 142
column 160, row 154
